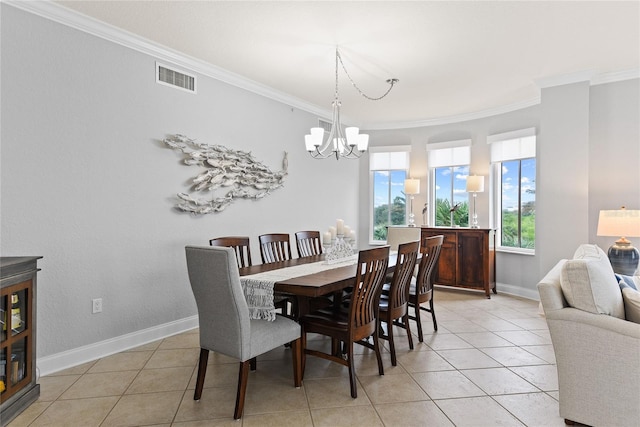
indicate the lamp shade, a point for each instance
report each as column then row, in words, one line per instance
column 619, row 223
column 475, row 184
column 412, row 186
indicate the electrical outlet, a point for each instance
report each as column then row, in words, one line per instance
column 97, row 305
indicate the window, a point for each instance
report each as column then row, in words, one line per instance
column 449, row 167
column 513, row 156
column 388, row 169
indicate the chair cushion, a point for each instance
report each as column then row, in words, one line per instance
column 631, row 298
column 588, row 283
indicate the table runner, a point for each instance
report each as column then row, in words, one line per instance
column 258, row 288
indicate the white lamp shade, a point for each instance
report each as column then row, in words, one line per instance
column 475, row 184
column 316, row 135
column 352, row 135
column 619, row 223
column 363, row 142
column 412, row 186
column 308, row 143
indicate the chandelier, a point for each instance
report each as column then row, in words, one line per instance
column 347, row 143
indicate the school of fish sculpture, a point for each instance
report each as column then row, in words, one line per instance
column 248, row 178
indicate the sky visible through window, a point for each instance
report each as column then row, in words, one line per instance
column 381, row 182
column 510, row 183
column 444, row 183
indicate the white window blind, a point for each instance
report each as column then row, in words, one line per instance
column 389, row 158
column 452, row 153
column 513, row 145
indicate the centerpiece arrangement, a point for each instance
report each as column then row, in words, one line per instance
column 338, row 242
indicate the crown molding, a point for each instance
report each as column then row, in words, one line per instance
column 76, row 20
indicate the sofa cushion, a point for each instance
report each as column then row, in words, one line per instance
column 631, row 281
column 631, row 299
column 589, row 283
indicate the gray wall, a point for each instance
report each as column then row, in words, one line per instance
column 88, row 185
column 588, row 159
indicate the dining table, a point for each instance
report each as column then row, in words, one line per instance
column 330, row 278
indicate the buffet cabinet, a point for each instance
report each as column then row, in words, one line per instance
column 467, row 258
column 18, row 388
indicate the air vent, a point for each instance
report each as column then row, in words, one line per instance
column 324, row 125
column 174, row 78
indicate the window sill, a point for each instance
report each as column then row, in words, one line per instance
column 516, row 251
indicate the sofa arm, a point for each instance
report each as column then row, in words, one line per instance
column 551, row 295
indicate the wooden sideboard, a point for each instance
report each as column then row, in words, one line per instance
column 467, row 259
column 18, row 388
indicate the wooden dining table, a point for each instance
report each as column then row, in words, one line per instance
column 306, row 288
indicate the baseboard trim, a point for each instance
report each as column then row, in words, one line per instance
column 518, row 291
column 77, row 356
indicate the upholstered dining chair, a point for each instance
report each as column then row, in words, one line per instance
column 274, row 247
column 225, row 326
column 394, row 303
column 421, row 288
column 308, row 243
column 356, row 323
column 240, row 245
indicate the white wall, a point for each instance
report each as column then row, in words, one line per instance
column 88, row 185
column 588, row 159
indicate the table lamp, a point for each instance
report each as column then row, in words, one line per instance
column 625, row 223
column 475, row 185
column 411, row 188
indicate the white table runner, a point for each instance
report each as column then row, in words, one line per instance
column 258, row 288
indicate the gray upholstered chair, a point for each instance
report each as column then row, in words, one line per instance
column 225, row 326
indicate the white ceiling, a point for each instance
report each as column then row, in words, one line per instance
column 452, row 58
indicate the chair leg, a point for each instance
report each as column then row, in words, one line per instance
column 243, row 376
column 418, row 322
column 202, row 371
column 303, row 354
column 253, row 363
column 376, row 347
column 352, row 371
column 433, row 315
column 405, row 319
column 296, row 346
column 392, row 345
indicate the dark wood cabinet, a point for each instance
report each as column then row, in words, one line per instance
column 467, row 259
column 18, row 388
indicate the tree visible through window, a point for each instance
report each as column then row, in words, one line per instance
column 450, row 191
column 518, row 215
column 389, row 201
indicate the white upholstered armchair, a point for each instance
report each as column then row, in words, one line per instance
column 598, row 359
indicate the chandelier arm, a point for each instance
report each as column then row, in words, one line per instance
column 390, row 81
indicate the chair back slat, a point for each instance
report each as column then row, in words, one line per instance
column 363, row 308
column 430, row 252
column 240, row 245
column 405, row 265
column 274, row 247
column 308, row 243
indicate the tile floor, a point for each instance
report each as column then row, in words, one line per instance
column 490, row 363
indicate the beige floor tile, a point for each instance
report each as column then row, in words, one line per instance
column 412, row 414
column 523, row 338
column 468, row 359
column 423, row 361
column 545, row 377
column 498, row 381
column 344, row 417
column 99, row 385
column 26, row 417
column 221, row 375
column 264, row 398
column 144, row 409
column 185, row 340
column 531, row 323
column 126, row 361
column 76, row 370
column 52, row 387
column 367, row 364
column 165, row 379
column 445, row 342
column 392, row 388
column 446, row 385
column 533, row 409
column 477, row 411
column 217, row 402
column 513, row 356
column 173, row 358
column 496, row 324
column 273, row 370
column 281, row 419
column 484, row 339
column 459, row 326
column 78, row 412
column 320, row 368
column 333, row 392
column 147, row 347
column 219, row 422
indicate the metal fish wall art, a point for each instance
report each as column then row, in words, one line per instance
column 247, row 177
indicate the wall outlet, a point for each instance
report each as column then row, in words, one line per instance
column 97, row 305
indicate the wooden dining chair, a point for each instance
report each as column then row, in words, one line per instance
column 421, row 288
column 227, row 329
column 356, row 323
column 274, row 247
column 308, row 243
column 240, row 245
column 394, row 303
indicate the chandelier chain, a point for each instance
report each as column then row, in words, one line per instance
column 390, row 81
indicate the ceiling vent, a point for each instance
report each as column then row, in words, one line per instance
column 174, row 78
